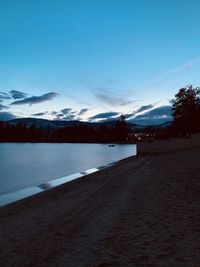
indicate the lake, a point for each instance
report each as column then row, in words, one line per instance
column 23, row 165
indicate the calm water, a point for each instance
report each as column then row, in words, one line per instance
column 24, row 165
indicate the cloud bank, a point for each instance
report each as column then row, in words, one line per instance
column 17, row 94
column 105, row 116
column 144, row 108
column 112, row 100
column 36, row 99
column 40, row 114
column 68, row 114
column 3, row 107
column 156, row 116
column 4, row 96
column 82, row 111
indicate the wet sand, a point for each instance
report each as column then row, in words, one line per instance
column 144, row 211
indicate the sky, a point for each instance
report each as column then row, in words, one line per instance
column 92, row 60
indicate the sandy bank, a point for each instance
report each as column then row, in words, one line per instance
column 141, row 212
column 164, row 146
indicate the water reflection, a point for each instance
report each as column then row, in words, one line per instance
column 12, row 197
column 29, row 191
column 45, row 186
column 24, row 165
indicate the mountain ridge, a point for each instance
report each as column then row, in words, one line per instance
column 44, row 123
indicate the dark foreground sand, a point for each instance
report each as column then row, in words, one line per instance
column 144, row 211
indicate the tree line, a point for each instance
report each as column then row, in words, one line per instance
column 76, row 133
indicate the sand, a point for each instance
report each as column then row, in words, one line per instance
column 144, row 211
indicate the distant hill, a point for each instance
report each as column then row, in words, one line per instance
column 61, row 124
column 46, row 123
column 40, row 130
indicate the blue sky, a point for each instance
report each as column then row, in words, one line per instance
column 96, row 57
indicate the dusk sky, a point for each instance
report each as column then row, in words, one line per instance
column 95, row 59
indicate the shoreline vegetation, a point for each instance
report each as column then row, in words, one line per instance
column 144, row 211
column 74, row 132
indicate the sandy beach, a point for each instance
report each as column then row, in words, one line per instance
column 144, row 211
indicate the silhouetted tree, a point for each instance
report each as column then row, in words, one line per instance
column 121, row 129
column 186, row 111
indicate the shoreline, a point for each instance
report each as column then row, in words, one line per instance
column 139, row 212
column 24, row 193
column 48, row 164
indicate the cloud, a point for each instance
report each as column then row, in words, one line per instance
column 69, row 117
column 54, row 113
column 155, row 116
column 68, row 114
column 66, row 111
column 17, row 94
column 59, row 115
column 105, row 115
column 110, row 99
column 65, row 114
column 144, row 108
column 129, row 115
column 6, row 116
column 40, row 113
column 4, row 96
column 3, row 107
column 82, row 111
column 35, row 99
column 125, row 103
column 139, row 110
